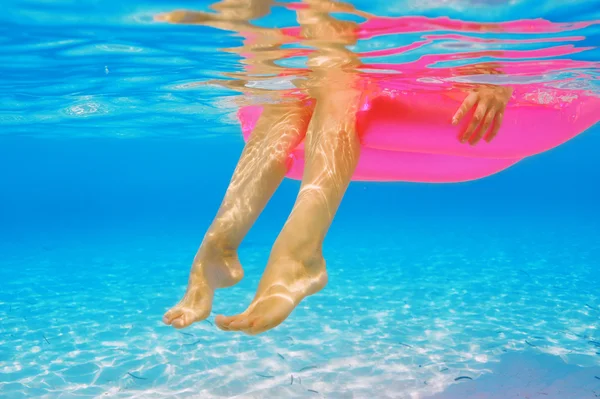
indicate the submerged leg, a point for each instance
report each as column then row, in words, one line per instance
column 260, row 170
column 296, row 267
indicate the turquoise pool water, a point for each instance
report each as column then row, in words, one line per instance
column 114, row 157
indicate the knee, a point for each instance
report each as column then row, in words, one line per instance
column 280, row 151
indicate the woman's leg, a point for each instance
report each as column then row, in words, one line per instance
column 296, row 267
column 259, row 172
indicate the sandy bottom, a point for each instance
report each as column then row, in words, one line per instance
column 529, row 375
column 80, row 316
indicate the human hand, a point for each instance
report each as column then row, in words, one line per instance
column 491, row 102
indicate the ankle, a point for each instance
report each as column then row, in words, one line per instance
column 309, row 255
column 314, row 263
column 214, row 246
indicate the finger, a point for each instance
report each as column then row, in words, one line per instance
column 464, row 108
column 495, row 128
column 475, row 121
column 181, row 16
column 483, row 129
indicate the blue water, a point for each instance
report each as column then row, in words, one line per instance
column 113, row 164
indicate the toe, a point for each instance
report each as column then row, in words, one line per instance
column 171, row 315
column 255, row 325
column 240, row 323
column 223, row 321
column 260, row 325
column 187, row 317
column 180, row 322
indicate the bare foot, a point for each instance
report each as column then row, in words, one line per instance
column 213, row 268
column 283, row 285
